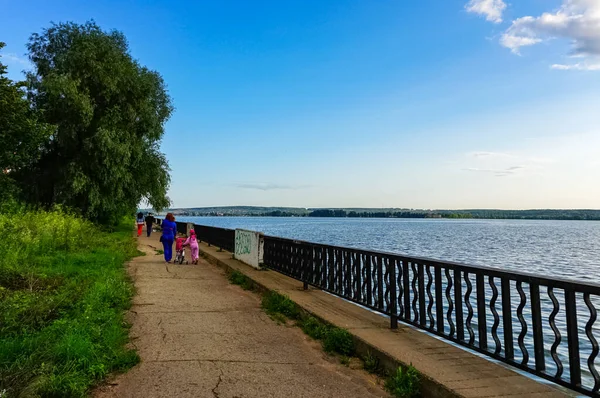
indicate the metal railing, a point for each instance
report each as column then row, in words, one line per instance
column 545, row 326
column 223, row 238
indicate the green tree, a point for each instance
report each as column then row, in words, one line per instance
column 21, row 135
column 109, row 113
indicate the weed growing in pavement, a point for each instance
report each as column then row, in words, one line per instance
column 237, row 278
column 159, row 252
column 313, row 327
column 273, row 303
column 338, row 340
column 371, row 363
column 404, row 383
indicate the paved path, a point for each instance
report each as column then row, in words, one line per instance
column 199, row 336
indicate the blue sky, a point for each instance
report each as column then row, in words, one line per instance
column 423, row 104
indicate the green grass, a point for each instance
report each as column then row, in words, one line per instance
column 404, row 383
column 63, row 292
column 338, row 340
column 371, row 363
column 237, row 278
column 274, row 303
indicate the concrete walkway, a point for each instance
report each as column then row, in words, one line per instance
column 199, row 336
column 448, row 371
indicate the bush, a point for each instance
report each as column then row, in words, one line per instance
column 371, row 363
column 237, row 278
column 338, row 340
column 404, row 383
column 273, row 303
column 63, row 291
column 312, row 327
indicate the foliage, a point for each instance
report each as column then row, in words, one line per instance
column 314, row 328
column 21, row 134
column 404, row 383
column 371, row 363
column 63, row 291
column 345, row 360
column 273, row 303
column 237, row 278
column 338, row 340
column 103, row 157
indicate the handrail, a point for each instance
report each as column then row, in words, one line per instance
column 500, row 314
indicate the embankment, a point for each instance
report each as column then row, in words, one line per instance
column 63, row 292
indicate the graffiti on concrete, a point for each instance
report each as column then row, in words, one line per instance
column 243, row 242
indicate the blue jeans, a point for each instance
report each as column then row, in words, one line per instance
column 168, row 248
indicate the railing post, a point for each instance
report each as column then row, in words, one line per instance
column 458, row 302
column 573, row 338
column 439, row 309
column 406, row 282
column 536, row 318
column 507, row 320
column 481, row 312
column 422, row 316
column 393, row 294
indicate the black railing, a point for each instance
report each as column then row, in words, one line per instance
column 223, row 238
column 542, row 325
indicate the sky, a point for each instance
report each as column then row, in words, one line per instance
column 450, row 104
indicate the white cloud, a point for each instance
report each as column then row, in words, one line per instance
column 268, row 186
column 576, row 20
column 492, row 9
column 577, row 66
column 11, row 58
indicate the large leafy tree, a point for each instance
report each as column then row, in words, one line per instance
column 21, row 134
column 109, row 113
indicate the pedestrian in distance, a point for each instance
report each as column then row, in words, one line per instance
column 192, row 242
column 149, row 223
column 140, row 223
column 169, row 229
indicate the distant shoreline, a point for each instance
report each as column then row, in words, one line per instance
column 487, row 214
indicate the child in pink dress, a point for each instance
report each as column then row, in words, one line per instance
column 192, row 242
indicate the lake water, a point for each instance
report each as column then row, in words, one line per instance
column 569, row 249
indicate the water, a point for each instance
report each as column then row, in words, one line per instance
column 565, row 249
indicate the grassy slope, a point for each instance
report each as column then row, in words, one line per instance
column 63, row 292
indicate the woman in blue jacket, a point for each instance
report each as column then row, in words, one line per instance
column 169, row 229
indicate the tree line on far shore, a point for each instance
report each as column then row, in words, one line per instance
column 83, row 129
column 547, row 214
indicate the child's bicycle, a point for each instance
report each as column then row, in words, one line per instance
column 180, row 256
column 179, row 251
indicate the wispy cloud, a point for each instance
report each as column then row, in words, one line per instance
column 267, row 186
column 498, row 172
column 491, row 9
column 578, row 66
column 485, row 154
column 14, row 59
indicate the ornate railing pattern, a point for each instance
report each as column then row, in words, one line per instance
column 545, row 326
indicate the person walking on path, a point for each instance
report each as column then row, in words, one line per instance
column 149, row 222
column 169, row 229
column 140, row 222
column 192, row 242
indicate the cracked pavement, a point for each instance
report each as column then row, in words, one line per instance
column 199, row 336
